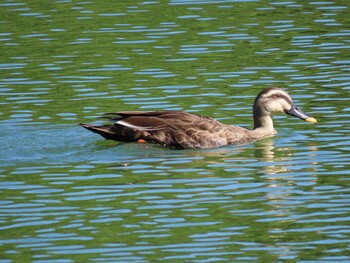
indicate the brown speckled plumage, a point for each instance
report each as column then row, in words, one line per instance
column 182, row 130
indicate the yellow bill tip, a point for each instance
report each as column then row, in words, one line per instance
column 312, row 120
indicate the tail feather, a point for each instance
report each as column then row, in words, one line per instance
column 117, row 132
column 103, row 130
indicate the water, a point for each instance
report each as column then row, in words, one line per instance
column 69, row 196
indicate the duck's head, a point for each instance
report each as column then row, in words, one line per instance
column 272, row 100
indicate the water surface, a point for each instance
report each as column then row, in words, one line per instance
column 69, row 196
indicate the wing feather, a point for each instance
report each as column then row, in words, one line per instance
column 144, row 124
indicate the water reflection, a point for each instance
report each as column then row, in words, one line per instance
column 265, row 152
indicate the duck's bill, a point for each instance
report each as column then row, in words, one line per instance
column 296, row 112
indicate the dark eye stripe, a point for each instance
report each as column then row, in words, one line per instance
column 280, row 96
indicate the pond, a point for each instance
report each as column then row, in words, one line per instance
column 67, row 195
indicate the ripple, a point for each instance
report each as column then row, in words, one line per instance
column 69, row 195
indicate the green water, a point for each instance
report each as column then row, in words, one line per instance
column 69, row 196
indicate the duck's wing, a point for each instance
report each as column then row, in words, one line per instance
column 157, row 126
column 147, row 121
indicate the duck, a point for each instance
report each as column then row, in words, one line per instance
column 184, row 130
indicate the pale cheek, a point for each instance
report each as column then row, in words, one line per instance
column 275, row 107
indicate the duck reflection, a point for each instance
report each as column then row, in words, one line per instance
column 265, row 151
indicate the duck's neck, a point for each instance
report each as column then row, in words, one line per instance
column 263, row 124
